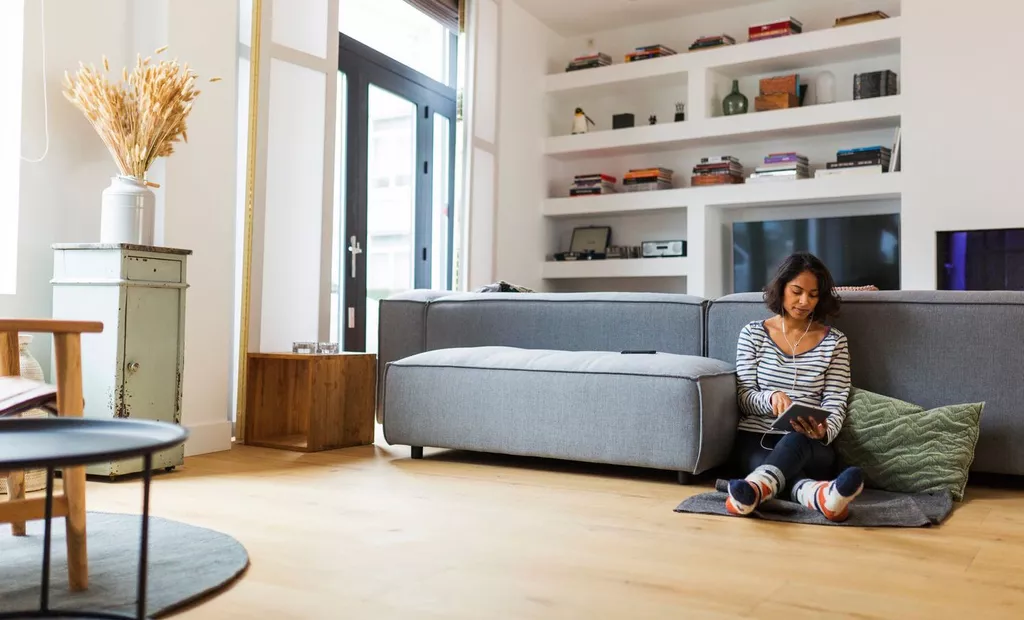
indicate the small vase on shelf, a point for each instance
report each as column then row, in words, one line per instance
column 128, row 212
column 735, row 102
column 825, row 87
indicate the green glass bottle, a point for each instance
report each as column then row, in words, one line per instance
column 735, row 102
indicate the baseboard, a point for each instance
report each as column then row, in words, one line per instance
column 208, row 437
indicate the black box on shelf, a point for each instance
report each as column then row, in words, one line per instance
column 622, row 121
column 874, row 84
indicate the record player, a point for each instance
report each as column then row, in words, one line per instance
column 588, row 243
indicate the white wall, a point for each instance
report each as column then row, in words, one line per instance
column 952, row 126
column 12, row 21
column 60, row 196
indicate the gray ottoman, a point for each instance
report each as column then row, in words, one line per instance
column 664, row 411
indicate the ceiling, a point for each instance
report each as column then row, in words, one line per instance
column 576, row 17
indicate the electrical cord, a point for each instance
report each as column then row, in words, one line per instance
column 46, row 103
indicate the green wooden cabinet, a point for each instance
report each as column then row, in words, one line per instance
column 134, row 368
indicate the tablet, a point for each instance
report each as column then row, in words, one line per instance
column 798, row 410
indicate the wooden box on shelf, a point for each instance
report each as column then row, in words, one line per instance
column 310, row 402
column 776, row 101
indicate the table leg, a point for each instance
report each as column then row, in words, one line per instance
column 44, row 593
column 147, row 466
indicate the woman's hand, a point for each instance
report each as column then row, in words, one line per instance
column 809, row 428
column 780, row 402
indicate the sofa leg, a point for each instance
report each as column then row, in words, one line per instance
column 417, row 452
column 685, row 478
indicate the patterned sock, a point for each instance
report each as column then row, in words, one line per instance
column 759, row 486
column 830, row 498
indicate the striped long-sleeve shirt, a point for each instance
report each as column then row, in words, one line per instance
column 822, row 378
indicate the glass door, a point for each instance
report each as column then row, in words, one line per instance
column 393, row 224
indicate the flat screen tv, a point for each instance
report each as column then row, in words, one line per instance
column 860, row 250
column 981, row 260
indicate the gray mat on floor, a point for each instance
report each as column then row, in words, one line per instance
column 185, row 564
column 872, row 508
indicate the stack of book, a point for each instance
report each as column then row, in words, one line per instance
column 717, row 170
column 592, row 185
column 717, row 40
column 647, row 179
column 781, row 167
column 589, row 61
column 864, row 160
column 860, row 18
column 649, row 51
column 775, row 29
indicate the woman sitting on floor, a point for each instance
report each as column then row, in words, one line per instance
column 793, row 357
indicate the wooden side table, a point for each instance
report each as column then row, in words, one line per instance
column 310, row 402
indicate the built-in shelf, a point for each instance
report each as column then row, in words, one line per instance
column 839, row 117
column 819, row 190
column 810, row 49
column 616, row 268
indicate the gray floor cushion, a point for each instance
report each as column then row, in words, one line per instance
column 662, row 410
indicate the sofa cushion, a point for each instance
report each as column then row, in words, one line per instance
column 903, row 448
column 663, row 410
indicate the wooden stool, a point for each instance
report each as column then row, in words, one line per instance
column 18, row 395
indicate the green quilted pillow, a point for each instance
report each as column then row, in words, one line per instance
column 905, row 449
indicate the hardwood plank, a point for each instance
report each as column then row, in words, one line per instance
column 460, row 535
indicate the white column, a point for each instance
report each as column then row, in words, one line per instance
column 199, row 214
column 481, row 112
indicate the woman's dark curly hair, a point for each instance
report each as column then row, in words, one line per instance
column 795, row 264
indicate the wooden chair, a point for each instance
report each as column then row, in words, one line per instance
column 18, row 395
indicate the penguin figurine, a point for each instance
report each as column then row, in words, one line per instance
column 581, row 122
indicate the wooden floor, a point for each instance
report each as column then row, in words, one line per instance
column 369, row 533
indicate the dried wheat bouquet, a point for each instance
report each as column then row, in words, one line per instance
column 142, row 116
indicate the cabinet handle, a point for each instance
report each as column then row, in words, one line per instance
column 133, row 367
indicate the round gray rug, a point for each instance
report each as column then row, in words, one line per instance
column 186, row 563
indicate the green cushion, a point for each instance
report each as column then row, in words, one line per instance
column 903, row 448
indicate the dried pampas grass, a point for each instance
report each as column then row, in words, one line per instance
column 142, row 116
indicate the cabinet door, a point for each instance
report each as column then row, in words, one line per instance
column 151, row 337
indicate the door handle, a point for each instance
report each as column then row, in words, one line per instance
column 354, row 250
column 133, row 367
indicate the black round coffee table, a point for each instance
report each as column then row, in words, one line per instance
column 49, row 443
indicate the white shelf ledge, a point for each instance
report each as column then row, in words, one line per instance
column 814, row 120
column 618, row 204
column 820, row 190
column 616, row 268
column 809, row 49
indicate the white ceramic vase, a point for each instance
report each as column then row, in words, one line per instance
column 825, row 87
column 128, row 212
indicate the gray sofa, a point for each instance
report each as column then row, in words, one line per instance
column 541, row 374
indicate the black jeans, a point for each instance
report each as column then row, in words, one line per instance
column 798, row 456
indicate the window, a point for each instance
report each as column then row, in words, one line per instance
column 401, row 31
column 12, row 31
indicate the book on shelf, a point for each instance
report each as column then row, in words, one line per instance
column 781, row 167
column 717, row 40
column 860, row 18
column 589, row 61
column 592, row 185
column 860, row 160
column 775, row 28
column 649, row 51
column 717, row 170
column 647, row 179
